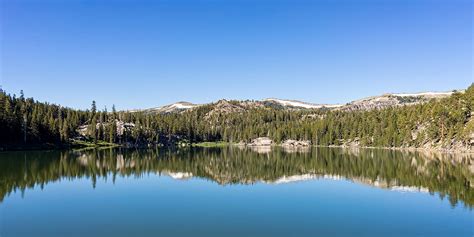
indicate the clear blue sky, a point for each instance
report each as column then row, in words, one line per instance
column 139, row 54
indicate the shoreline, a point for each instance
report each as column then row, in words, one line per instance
column 219, row 144
column 419, row 149
column 425, row 149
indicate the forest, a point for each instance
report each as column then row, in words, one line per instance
column 445, row 123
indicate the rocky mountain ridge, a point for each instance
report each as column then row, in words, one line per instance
column 368, row 103
column 390, row 100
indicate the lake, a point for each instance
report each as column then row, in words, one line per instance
column 232, row 191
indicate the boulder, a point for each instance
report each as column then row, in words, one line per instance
column 295, row 143
column 261, row 141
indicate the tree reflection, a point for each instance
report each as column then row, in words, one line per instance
column 450, row 176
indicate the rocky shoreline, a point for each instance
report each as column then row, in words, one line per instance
column 292, row 144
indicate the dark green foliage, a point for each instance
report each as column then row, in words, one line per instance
column 438, row 122
column 26, row 121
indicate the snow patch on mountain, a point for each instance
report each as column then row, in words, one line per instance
column 424, row 94
column 176, row 107
column 181, row 105
column 300, row 104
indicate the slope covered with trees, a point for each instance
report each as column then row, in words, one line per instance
column 444, row 123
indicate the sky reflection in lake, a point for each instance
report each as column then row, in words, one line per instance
column 233, row 192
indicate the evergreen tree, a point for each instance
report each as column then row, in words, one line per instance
column 440, row 122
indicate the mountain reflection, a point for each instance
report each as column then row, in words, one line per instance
column 451, row 176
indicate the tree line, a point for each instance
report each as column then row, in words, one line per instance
column 444, row 122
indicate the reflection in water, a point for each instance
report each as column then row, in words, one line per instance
column 449, row 175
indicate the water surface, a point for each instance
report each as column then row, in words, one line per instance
column 235, row 192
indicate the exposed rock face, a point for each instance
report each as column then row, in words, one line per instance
column 295, row 143
column 82, row 130
column 250, row 104
column 224, row 107
column 261, row 141
column 392, row 100
column 121, row 127
column 372, row 103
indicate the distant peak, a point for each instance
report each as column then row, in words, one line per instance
column 300, row 104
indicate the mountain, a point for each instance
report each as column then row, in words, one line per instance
column 391, row 100
column 298, row 104
column 171, row 108
column 369, row 103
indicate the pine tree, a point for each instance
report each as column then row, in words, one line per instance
column 65, row 132
column 93, row 110
column 114, row 113
column 112, row 132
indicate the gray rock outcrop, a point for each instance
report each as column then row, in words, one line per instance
column 295, row 143
column 261, row 141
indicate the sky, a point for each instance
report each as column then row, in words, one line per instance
column 143, row 53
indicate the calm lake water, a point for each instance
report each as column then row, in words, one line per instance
column 236, row 192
